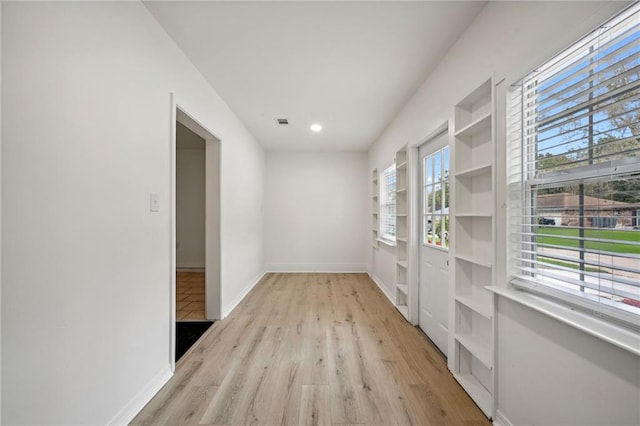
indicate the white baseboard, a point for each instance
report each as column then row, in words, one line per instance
column 317, row 267
column 190, row 269
column 190, row 264
column 141, row 399
column 382, row 288
column 501, row 419
column 227, row 310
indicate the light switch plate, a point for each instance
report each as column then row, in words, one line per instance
column 154, row 202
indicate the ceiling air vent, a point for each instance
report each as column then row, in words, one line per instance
column 282, row 121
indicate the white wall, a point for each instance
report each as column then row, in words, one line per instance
column 315, row 202
column 507, row 40
column 190, row 199
column 85, row 139
column 550, row 373
column 0, row 215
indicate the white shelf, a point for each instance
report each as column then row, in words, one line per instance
column 474, row 246
column 404, row 310
column 475, row 127
column 478, row 348
column 403, row 295
column 478, row 393
column 474, row 260
column 476, row 97
column 473, row 214
column 484, row 309
column 474, row 171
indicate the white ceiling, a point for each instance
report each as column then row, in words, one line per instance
column 349, row 66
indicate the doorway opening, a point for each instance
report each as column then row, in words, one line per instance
column 195, row 242
column 190, row 224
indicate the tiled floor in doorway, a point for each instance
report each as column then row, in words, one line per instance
column 190, row 296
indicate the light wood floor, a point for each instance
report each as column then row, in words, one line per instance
column 190, row 296
column 317, row 349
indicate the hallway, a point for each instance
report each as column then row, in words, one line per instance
column 313, row 349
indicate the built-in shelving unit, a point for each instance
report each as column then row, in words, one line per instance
column 374, row 200
column 473, row 246
column 402, row 232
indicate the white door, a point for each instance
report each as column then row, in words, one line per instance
column 434, row 240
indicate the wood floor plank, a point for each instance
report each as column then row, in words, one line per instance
column 317, row 349
column 286, row 395
column 189, row 408
column 315, row 408
column 315, row 362
column 243, row 377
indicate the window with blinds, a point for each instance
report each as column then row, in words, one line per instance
column 574, row 173
column 388, row 204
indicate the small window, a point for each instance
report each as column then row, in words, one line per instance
column 436, row 199
column 388, row 204
column 574, row 173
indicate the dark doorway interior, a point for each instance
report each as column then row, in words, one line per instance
column 188, row 333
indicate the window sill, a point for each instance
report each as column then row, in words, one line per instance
column 436, row 247
column 619, row 336
column 387, row 242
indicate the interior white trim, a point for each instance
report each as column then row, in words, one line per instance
column 194, row 266
column 605, row 330
column 382, row 288
column 172, row 230
column 188, row 269
column 317, row 267
column 387, row 242
column 235, row 302
column 213, row 285
column 142, row 398
column 501, row 419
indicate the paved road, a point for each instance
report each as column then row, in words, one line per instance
column 604, row 261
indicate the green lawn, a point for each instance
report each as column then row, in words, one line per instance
column 553, row 234
column 568, row 264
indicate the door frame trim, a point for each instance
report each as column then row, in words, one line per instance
column 414, row 224
column 213, row 153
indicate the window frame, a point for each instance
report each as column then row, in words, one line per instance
column 387, row 198
column 523, row 181
column 445, row 193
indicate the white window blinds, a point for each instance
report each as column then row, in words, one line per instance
column 388, row 204
column 574, row 173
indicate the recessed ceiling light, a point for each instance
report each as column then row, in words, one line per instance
column 316, row 127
